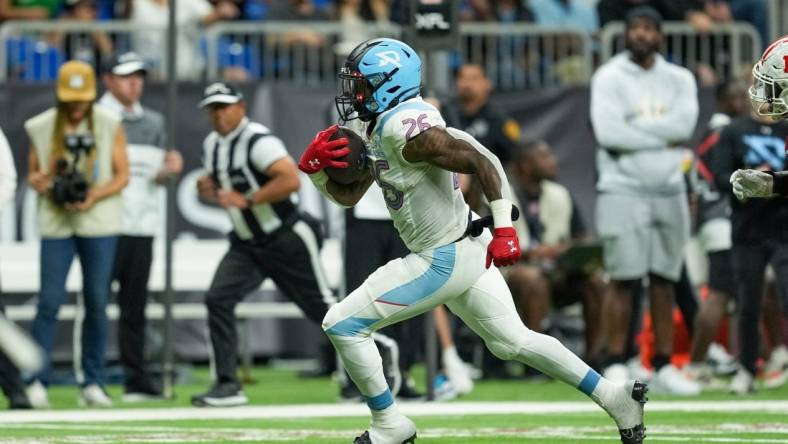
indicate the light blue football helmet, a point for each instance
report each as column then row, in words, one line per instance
column 377, row 76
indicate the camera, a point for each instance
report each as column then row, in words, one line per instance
column 69, row 185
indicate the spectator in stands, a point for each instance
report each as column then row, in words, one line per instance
column 299, row 11
column 554, row 226
column 192, row 15
column 473, row 112
column 78, row 165
column 758, row 228
column 756, row 12
column 575, row 13
column 355, row 15
column 713, row 225
column 507, row 11
column 642, row 109
column 93, row 47
column 250, row 174
column 671, row 10
column 29, row 9
column 151, row 167
column 10, row 380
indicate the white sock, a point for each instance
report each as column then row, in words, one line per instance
column 387, row 418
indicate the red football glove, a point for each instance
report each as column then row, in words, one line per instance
column 321, row 153
column 504, row 249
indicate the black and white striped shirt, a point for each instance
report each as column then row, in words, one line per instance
column 239, row 161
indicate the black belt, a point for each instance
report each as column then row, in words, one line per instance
column 476, row 227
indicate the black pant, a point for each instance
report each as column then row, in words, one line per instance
column 370, row 244
column 132, row 270
column 286, row 257
column 749, row 266
column 10, row 380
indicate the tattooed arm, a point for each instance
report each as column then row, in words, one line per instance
column 457, row 151
column 459, row 154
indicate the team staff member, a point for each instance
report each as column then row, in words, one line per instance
column 642, row 107
column 759, row 233
column 250, row 174
column 474, row 113
column 151, row 166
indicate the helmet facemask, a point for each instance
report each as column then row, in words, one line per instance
column 768, row 96
column 356, row 95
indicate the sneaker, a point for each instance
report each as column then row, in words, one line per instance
column 670, row 380
column 444, row 389
column 722, row 363
column 349, row 393
column 93, row 395
column 402, row 433
column 743, row 383
column 626, row 408
column 37, row 395
column 408, row 392
column 225, row 394
column 457, row 372
column 146, row 391
column 617, row 373
column 638, row 371
column 703, row 374
column 19, row 401
column 775, row 374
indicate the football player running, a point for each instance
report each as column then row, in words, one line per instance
column 769, row 97
column 415, row 159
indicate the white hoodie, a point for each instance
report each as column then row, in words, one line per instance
column 639, row 116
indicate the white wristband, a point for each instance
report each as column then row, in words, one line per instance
column 501, row 212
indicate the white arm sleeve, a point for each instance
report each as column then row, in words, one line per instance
column 678, row 123
column 7, row 173
column 266, row 151
column 609, row 121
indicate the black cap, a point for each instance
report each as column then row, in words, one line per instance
column 220, row 92
column 644, row 12
column 125, row 63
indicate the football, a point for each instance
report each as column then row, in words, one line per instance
column 357, row 158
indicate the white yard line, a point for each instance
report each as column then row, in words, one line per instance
column 356, row 410
column 130, row 433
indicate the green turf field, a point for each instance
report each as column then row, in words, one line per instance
column 761, row 418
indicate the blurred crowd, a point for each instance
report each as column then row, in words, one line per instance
column 241, row 56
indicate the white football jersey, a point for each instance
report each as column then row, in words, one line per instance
column 425, row 202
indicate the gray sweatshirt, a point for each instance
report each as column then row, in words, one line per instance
column 639, row 117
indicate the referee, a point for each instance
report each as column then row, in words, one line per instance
column 250, row 174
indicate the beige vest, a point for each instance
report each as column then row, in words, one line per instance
column 105, row 217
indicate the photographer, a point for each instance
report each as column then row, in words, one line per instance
column 78, row 165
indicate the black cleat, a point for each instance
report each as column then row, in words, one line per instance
column 637, row 434
column 364, row 439
column 225, row 394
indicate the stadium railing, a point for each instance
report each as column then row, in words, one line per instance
column 521, row 56
column 32, row 51
column 778, row 18
column 729, row 49
column 516, row 56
